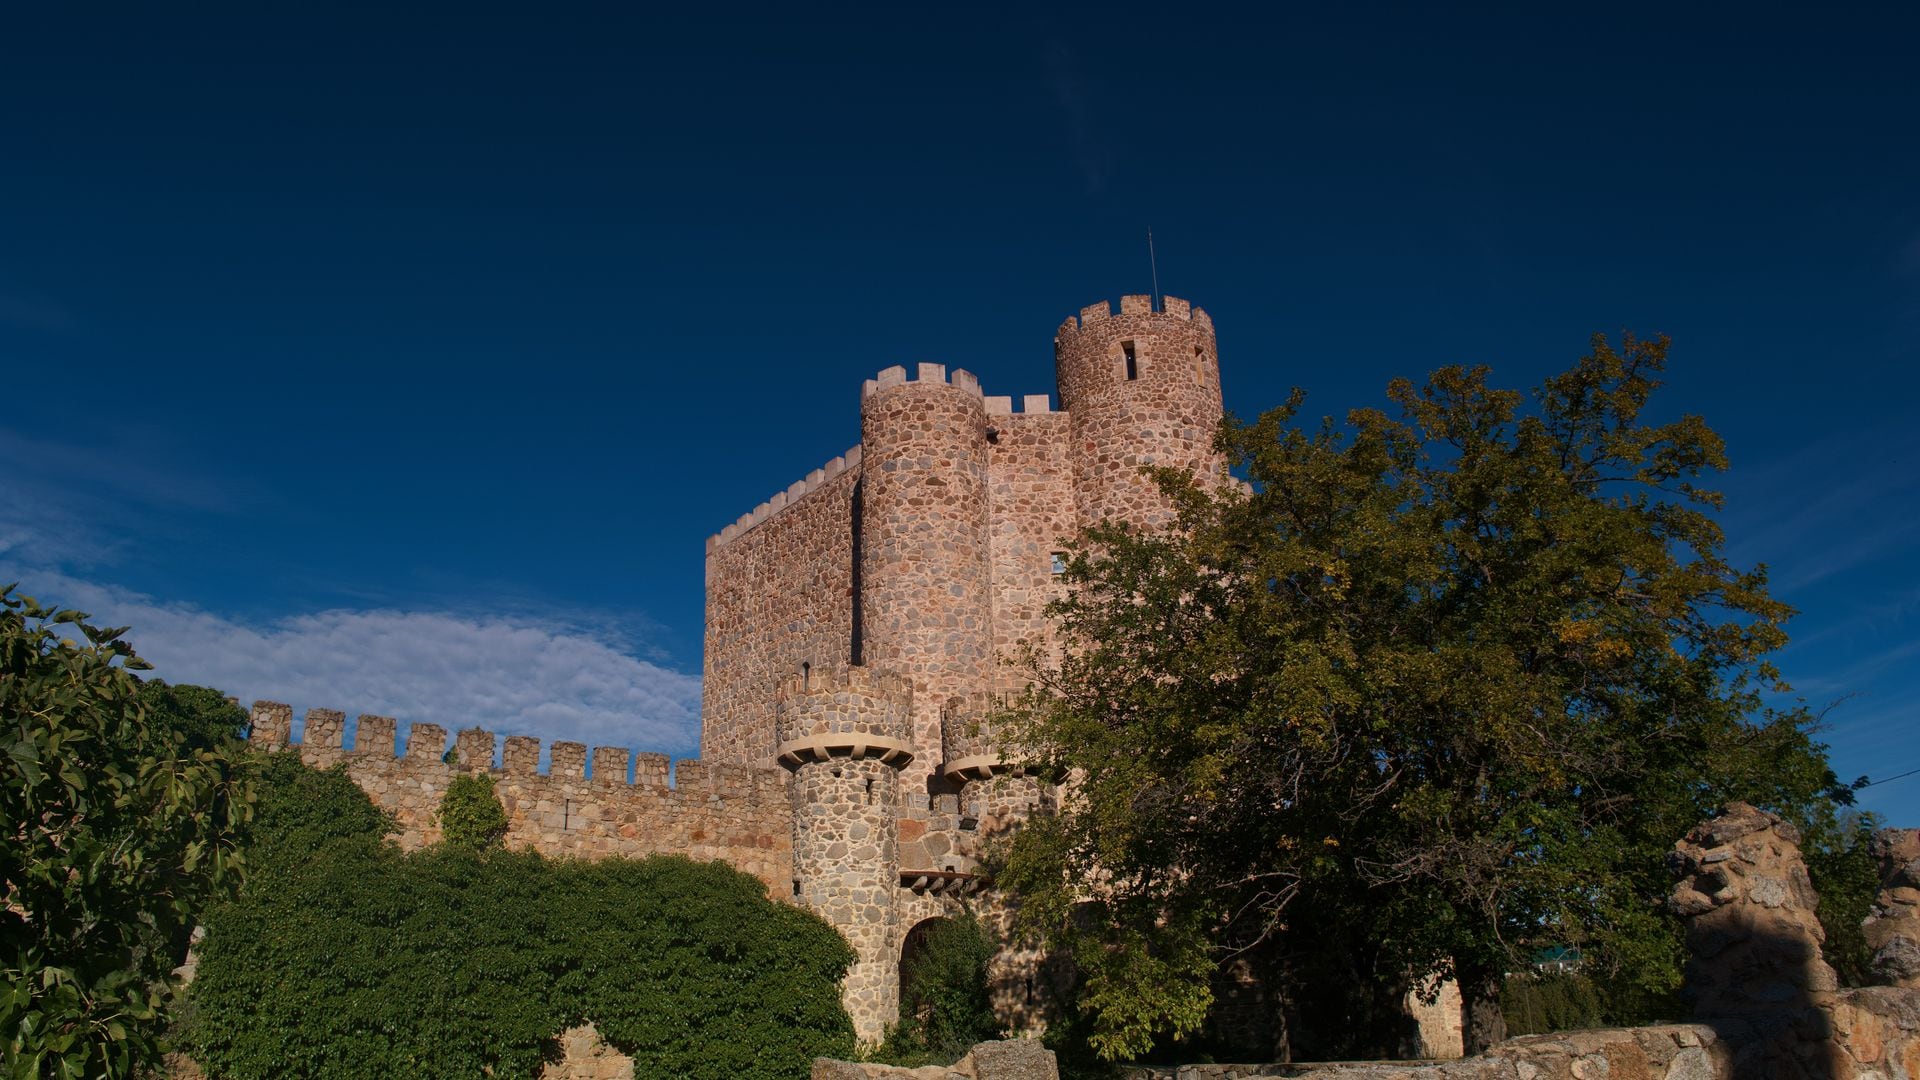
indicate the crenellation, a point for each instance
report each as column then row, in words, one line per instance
column 325, row 728
column 567, row 760
column 650, row 770
column 690, row 777
column 1136, row 304
column 270, row 724
column 1036, row 403
column 743, row 817
column 521, row 757
column 610, row 765
column 426, row 742
column 375, row 735
column 999, row 406
column 473, row 749
column 1176, row 307
column 1094, row 313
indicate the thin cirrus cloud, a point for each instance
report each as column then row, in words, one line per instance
column 511, row 676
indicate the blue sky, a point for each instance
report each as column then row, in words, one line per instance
column 402, row 360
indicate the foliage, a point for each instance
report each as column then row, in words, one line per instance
column 119, row 834
column 201, row 714
column 470, row 816
column 1847, row 877
column 1560, row 1001
column 1471, row 666
column 346, row 958
column 945, row 1007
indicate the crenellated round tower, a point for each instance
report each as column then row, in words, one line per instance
column 1140, row 388
column 844, row 735
column 978, row 756
column 926, row 577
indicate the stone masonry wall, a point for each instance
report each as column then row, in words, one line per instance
column 780, row 598
column 1893, row 928
column 1030, row 495
column 734, row 814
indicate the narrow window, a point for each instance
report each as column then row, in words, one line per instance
column 796, row 886
column 806, row 674
column 1133, row 366
column 1059, row 562
column 869, row 793
column 1200, row 363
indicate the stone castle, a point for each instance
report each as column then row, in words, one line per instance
column 859, row 627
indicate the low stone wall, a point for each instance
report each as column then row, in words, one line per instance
column 1007, row 1059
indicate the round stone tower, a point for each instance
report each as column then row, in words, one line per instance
column 843, row 734
column 926, row 577
column 1140, row 388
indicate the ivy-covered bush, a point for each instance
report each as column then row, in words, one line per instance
column 344, row 958
column 471, row 816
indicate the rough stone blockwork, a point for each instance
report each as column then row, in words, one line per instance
column 738, row 815
column 1007, row 1059
column 1893, row 930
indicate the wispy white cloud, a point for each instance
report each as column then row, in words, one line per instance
column 1842, row 498
column 511, row 675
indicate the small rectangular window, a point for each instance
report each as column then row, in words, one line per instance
column 1133, row 366
column 1059, row 562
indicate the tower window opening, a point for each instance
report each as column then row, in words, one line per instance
column 1059, row 562
column 1200, row 362
column 806, row 674
column 796, row 886
column 869, row 793
column 1133, row 365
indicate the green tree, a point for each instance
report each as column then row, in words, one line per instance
column 203, row 715
column 471, row 816
column 119, row 833
column 1469, row 666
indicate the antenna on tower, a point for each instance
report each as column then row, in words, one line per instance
column 1154, row 264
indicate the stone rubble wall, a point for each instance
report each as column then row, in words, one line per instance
column 1893, row 928
column 1031, row 516
column 782, row 594
column 733, row 814
column 1005, row 1059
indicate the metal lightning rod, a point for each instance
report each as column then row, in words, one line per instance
column 1154, row 264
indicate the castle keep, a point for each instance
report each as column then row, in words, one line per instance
column 859, row 624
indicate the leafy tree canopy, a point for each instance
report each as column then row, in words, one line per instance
column 120, row 831
column 1468, row 665
column 346, row 958
column 202, row 715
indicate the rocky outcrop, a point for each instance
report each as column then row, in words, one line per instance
column 1007, row 1059
column 1893, row 929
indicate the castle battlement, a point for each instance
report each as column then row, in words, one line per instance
column 1135, row 304
column 796, row 491
column 927, row 374
column 735, row 813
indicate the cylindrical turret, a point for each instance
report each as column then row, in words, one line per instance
column 926, row 585
column 1139, row 388
column 844, row 735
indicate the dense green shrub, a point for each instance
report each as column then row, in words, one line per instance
column 202, row 715
column 118, row 832
column 346, row 958
column 1558, row 1001
column 944, row 1003
column 470, row 816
